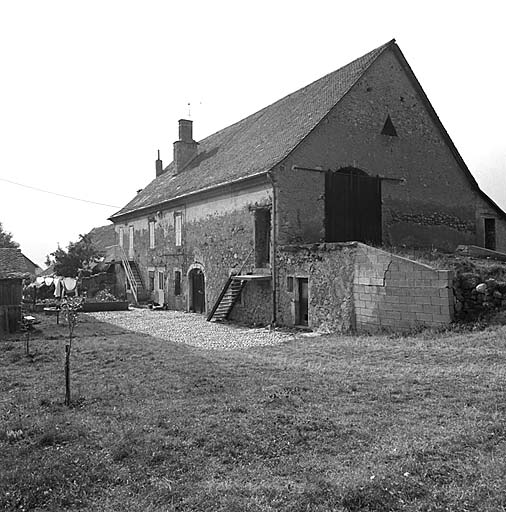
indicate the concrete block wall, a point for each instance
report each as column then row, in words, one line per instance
column 391, row 292
column 355, row 287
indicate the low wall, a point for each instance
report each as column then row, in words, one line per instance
column 355, row 287
column 396, row 293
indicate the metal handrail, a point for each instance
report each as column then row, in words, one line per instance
column 225, row 289
column 128, row 271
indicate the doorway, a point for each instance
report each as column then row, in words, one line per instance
column 303, row 310
column 490, row 234
column 352, row 206
column 197, row 291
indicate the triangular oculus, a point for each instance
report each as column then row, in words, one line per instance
column 389, row 128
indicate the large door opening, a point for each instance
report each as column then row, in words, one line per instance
column 197, row 291
column 352, row 207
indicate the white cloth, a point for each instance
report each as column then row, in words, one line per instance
column 58, row 287
column 70, row 283
column 48, row 281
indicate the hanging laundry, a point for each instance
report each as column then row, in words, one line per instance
column 48, row 281
column 58, row 287
column 39, row 281
column 70, row 283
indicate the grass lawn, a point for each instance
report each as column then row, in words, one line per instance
column 376, row 423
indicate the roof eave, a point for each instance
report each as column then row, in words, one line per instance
column 182, row 197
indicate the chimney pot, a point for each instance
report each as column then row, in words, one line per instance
column 185, row 149
column 186, row 130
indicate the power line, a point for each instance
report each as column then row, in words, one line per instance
column 57, row 194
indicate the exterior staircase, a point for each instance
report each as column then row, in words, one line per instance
column 136, row 289
column 227, row 298
column 141, row 292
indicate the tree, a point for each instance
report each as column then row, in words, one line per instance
column 70, row 307
column 6, row 239
column 79, row 255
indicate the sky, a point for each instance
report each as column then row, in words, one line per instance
column 89, row 91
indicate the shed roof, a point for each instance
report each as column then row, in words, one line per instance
column 13, row 264
column 257, row 143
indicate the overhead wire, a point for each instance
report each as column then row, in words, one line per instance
column 57, row 193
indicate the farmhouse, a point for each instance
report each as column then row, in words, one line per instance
column 273, row 219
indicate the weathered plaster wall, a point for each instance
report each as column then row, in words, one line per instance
column 217, row 236
column 300, row 205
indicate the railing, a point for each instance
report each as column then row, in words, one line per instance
column 225, row 288
column 119, row 252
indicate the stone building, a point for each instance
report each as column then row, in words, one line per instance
column 359, row 155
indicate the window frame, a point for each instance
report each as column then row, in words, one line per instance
column 121, row 235
column 178, row 228
column 151, row 230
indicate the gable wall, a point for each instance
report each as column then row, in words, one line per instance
column 434, row 206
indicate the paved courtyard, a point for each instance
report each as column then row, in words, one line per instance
column 192, row 329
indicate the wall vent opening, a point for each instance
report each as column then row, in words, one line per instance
column 389, row 128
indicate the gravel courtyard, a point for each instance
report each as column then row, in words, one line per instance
column 192, row 329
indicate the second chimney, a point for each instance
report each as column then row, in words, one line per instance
column 185, row 149
column 158, row 165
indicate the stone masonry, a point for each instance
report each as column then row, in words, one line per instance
column 355, row 287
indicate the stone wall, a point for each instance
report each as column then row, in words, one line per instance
column 329, row 269
column 433, row 203
column 353, row 286
column 217, row 237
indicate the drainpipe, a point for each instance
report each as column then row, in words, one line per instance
column 274, row 277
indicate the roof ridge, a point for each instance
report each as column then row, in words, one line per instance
column 258, row 142
column 380, row 49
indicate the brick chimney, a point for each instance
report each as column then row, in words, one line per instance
column 185, row 149
column 159, row 165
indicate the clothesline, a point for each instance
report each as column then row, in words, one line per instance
column 61, row 284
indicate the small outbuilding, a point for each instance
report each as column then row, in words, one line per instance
column 13, row 269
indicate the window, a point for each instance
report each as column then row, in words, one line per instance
column 161, row 280
column 120, row 236
column 289, row 284
column 177, row 282
column 151, row 280
column 178, row 224
column 262, row 237
column 151, row 234
column 490, row 234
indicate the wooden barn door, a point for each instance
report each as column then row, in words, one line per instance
column 352, row 208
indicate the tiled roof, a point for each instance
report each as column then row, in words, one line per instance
column 257, row 143
column 12, row 263
column 103, row 237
